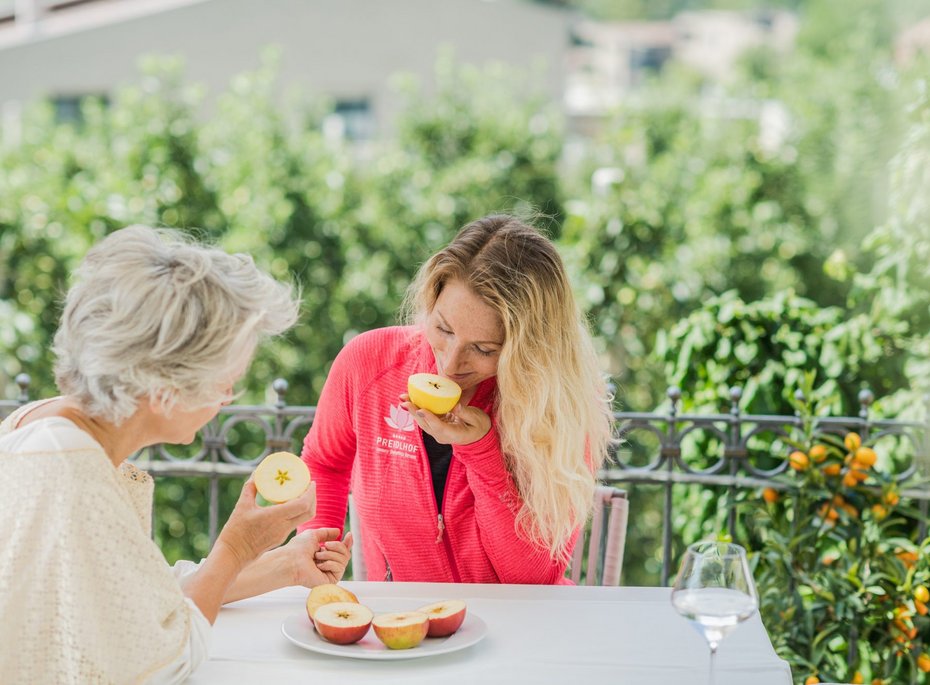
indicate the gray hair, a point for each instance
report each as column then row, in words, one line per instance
column 154, row 315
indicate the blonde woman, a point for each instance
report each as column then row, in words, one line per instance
column 496, row 490
column 155, row 332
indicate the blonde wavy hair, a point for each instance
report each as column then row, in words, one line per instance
column 552, row 410
column 153, row 314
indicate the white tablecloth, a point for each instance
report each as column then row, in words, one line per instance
column 536, row 634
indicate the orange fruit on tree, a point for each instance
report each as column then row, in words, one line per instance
column 879, row 511
column 770, row 495
column 827, row 512
column 857, row 678
column 853, row 477
column 852, row 441
column 818, row 453
column 922, row 594
column 902, row 611
column 798, row 460
column 900, row 624
column 907, row 557
column 892, row 498
column 812, row 680
column 832, row 470
column 865, row 457
column 850, row 510
column 923, row 663
column 921, row 607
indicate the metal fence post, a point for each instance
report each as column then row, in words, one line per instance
column 674, row 394
column 735, row 432
column 23, row 381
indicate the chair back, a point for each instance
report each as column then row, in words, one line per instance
column 599, row 550
column 359, row 571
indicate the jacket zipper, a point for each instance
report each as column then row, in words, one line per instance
column 440, row 521
column 441, row 529
column 441, row 525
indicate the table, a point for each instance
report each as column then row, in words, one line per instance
column 536, row 634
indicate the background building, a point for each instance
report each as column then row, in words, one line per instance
column 347, row 50
column 609, row 61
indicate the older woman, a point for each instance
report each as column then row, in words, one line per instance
column 155, row 332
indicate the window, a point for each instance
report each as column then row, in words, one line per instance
column 649, row 59
column 577, row 40
column 358, row 121
column 68, row 107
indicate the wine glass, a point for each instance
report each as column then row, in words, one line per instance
column 714, row 590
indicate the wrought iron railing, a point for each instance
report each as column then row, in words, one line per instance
column 737, row 464
column 651, row 449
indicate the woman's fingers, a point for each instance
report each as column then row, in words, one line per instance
column 249, row 492
column 324, row 535
column 332, row 551
column 333, row 567
column 301, row 508
column 462, row 425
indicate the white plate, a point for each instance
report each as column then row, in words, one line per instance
column 298, row 629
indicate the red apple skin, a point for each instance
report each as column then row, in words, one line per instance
column 402, row 637
column 443, row 627
column 342, row 635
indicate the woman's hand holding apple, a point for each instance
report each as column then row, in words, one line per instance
column 461, row 426
column 252, row 529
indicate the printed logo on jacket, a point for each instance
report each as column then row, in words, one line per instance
column 402, row 441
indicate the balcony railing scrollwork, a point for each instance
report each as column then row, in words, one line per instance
column 653, row 449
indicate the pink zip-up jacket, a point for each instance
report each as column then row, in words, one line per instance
column 361, row 434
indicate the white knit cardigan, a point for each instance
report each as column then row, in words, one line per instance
column 85, row 594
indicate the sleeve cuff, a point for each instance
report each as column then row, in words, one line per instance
column 184, row 571
column 484, row 455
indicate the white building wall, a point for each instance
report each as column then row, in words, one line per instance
column 340, row 48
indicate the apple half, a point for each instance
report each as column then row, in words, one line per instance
column 342, row 623
column 433, row 393
column 281, row 476
column 444, row 617
column 401, row 630
column 327, row 593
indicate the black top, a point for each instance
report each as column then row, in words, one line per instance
column 439, row 457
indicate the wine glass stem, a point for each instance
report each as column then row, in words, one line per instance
column 710, row 672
